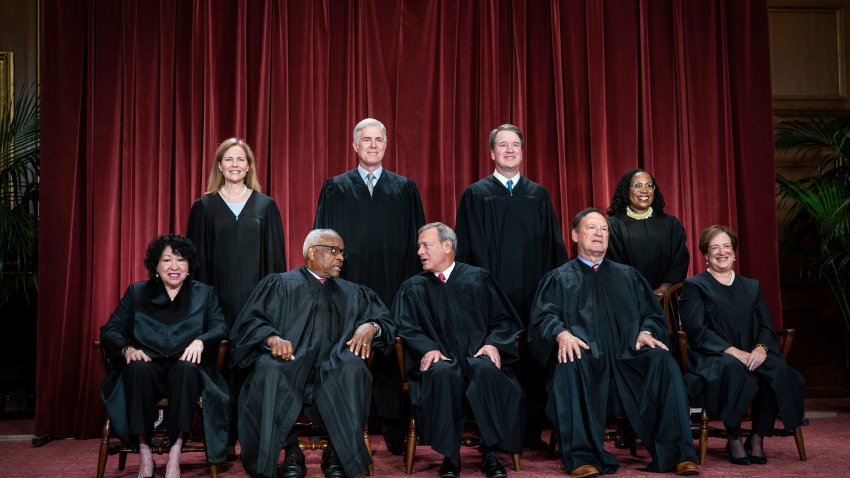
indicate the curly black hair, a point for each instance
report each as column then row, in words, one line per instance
column 179, row 244
column 621, row 195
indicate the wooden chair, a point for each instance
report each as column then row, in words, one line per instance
column 412, row 438
column 159, row 445
column 699, row 417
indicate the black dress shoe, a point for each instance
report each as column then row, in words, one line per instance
column 755, row 459
column 395, row 446
column 331, row 466
column 492, row 466
column 744, row 460
column 293, row 464
column 448, row 469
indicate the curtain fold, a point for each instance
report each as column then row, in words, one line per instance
column 138, row 94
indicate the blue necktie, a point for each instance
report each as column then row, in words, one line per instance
column 511, row 187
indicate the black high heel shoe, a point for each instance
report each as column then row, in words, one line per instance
column 744, row 460
column 755, row 459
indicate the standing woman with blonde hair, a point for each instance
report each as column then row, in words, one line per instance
column 238, row 234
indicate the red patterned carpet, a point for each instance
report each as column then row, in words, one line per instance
column 827, row 443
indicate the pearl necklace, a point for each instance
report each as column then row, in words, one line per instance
column 731, row 278
column 233, row 197
column 639, row 216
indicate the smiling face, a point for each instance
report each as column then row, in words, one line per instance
column 721, row 253
column 370, row 147
column 435, row 256
column 507, row 153
column 322, row 260
column 234, row 165
column 172, row 268
column 641, row 199
column 591, row 236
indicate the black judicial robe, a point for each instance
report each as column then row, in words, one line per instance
column 458, row 318
column 235, row 253
column 717, row 316
column 286, row 305
column 654, row 246
column 380, row 231
column 149, row 320
column 515, row 237
column 607, row 310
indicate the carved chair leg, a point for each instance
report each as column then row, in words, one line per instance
column 411, row 447
column 515, row 457
column 370, row 470
column 213, row 470
column 703, row 437
column 122, row 460
column 104, row 451
column 801, row 447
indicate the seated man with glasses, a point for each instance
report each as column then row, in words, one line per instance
column 306, row 333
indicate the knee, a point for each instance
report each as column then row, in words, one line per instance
column 138, row 369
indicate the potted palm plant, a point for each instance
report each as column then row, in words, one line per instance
column 19, row 178
column 817, row 217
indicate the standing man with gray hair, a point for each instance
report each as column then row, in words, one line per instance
column 378, row 213
column 507, row 225
column 459, row 331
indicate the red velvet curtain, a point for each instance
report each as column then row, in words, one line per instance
column 137, row 95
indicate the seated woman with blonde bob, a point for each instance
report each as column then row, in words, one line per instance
column 162, row 341
column 733, row 353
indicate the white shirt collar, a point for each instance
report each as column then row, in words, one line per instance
column 504, row 180
column 364, row 173
column 447, row 272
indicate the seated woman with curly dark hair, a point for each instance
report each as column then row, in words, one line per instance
column 162, row 340
column 643, row 236
column 733, row 351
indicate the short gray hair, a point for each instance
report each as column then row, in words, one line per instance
column 507, row 127
column 444, row 232
column 366, row 123
column 315, row 236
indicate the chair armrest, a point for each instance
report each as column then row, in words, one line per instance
column 681, row 350
column 100, row 356
column 221, row 354
column 399, row 355
column 786, row 338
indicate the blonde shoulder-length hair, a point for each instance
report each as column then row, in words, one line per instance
column 216, row 179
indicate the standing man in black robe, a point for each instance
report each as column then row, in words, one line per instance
column 459, row 333
column 306, row 333
column 610, row 338
column 378, row 213
column 506, row 224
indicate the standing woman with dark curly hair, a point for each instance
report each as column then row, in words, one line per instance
column 162, row 341
column 643, row 236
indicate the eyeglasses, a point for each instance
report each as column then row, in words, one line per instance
column 639, row 186
column 334, row 250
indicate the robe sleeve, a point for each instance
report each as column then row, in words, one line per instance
column 766, row 334
column 196, row 231
column 274, row 240
column 406, row 315
column 681, row 258
column 693, row 312
column 256, row 322
column 468, row 228
column 546, row 318
column 556, row 253
column 615, row 241
column 651, row 313
column 373, row 310
column 504, row 322
column 323, row 212
column 117, row 333
column 215, row 327
column 416, row 214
